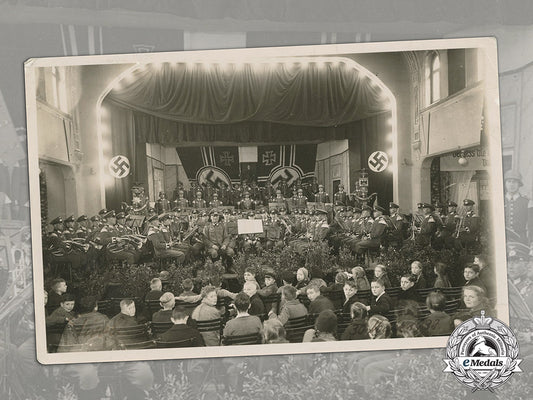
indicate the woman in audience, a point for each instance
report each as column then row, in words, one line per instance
column 273, row 332
column 438, row 323
column 442, row 281
column 379, row 327
column 325, row 328
column 475, row 300
column 357, row 330
column 359, row 276
column 207, row 311
column 380, row 272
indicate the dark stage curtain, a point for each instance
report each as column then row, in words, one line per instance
column 124, row 141
column 299, row 93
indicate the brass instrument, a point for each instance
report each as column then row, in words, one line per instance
column 77, row 244
column 459, row 226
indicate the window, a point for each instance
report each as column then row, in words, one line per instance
column 52, row 87
column 432, row 79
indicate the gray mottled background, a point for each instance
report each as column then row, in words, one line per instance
column 34, row 28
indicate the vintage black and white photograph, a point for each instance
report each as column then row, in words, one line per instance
column 265, row 201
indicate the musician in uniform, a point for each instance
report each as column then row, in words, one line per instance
column 516, row 208
column 273, row 231
column 198, row 202
column 301, row 200
column 428, row 226
column 361, row 229
column 341, row 197
column 246, row 203
column 181, row 201
column 83, row 231
column 321, row 196
column 450, row 225
column 468, row 228
column 268, row 193
column 439, row 217
column 162, row 205
column 397, row 226
column 372, row 240
column 217, row 238
column 70, row 231
column 159, row 235
column 215, row 203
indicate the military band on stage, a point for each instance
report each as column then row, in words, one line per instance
column 202, row 223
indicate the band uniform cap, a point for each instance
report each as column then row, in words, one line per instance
column 95, row 218
column 513, row 174
column 121, row 215
column 452, row 204
column 269, row 273
column 468, row 202
column 517, row 251
column 419, row 205
column 57, row 220
column 427, row 205
column 82, row 218
column 164, row 276
column 70, row 219
column 379, row 208
column 109, row 214
column 321, row 186
column 393, row 205
column 166, row 297
column 103, row 211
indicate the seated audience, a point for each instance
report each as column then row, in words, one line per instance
column 408, row 292
column 243, row 323
column 302, row 278
column 360, row 279
column 257, row 306
column 381, row 302
column 273, row 332
column 126, row 317
column 417, row 270
column 471, row 274
column 249, row 276
column 325, row 328
column 350, row 295
column 486, row 274
column 292, row 308
column 438, row 323
column 181, row 331
column 340, row 280
column 64, row 313
column 475, row 300
column 270, row 284
column 380, row 272
column 222, row 293
column 318, row 302
column 58, row 288
column 287, row 278
column 379, row 327
column 441, row 271
column 357, row 329
column 155, row 290
column 207, row 311
column 88, row 329
column 168, row 302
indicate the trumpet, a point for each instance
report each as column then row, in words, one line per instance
column 459, row 227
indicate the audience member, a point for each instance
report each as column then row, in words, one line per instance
column 438, row 323
column 270, row 284
column 340, row 280
column 155, row 290
column 58, row 287
column 475, row 300
column 408, row 292
column 487, row 275
column 379, row 327
column 325, row 328
column 168, row 302
column 257, row 306
column 357, row 329
column 380, row 272
column 181, row 331
column 126, row 317
column 318, row 302
column 249, row 276
column 243, row 323
column 222, row 293
column 360, row 279
column 471, row 274
column 207, row 311
column 381, row 302
column 292, row 308
column 417, row 270
column 350, row 296
column 64, row 313
column 302, row 278
column 274, row 332
column 441, row 271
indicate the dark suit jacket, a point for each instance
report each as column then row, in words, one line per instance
column 183, row 332
column 347, row 305
column 320, row 304
column 256, row 305
column 382, row 306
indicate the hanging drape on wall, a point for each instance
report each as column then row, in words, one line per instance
column 121, row 135
column 461, row 189
column 302, row 92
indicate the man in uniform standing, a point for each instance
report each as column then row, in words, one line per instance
column 516, row 208
column 321, row 196
column 468, row 229
column 428, row 226
column 398, row 226
column 341, row 197
column 162, row 205
column 198, row 202
column 215, row 203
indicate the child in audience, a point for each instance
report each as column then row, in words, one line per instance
column 380, row 272
column 357, row 330
column 379, row 327
column 381, row 302
column 471, row 274
column 438, row 323
column 417, row 270
column 442, row 281
column 359, row 276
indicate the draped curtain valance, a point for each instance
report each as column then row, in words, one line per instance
column 302, row 92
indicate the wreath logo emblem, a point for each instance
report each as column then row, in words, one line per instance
column 482, row 353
